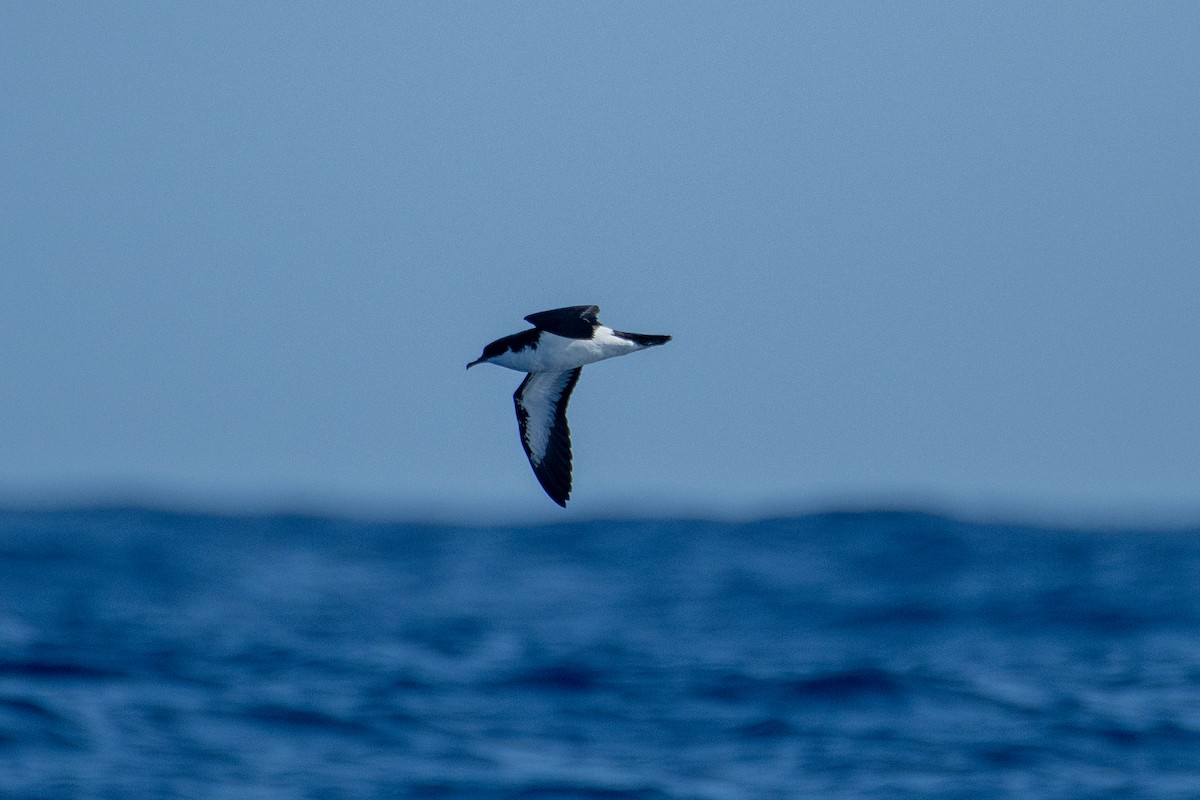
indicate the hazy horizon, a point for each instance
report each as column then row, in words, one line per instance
column 929, row 256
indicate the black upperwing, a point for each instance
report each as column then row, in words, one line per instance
column 541, row 402
column 572, row 322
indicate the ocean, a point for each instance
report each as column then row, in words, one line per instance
column 150, row 654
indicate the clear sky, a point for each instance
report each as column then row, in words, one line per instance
column 919, row 253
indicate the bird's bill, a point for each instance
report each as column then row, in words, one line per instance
column 476, row 361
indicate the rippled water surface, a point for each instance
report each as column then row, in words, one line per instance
column 156, row 655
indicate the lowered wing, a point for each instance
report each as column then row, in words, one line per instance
column 541, row 402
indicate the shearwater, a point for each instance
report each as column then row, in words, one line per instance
column 554, row 352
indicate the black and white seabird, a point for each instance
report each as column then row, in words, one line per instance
column 553, row 352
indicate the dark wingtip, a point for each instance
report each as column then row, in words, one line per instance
column 556, row 491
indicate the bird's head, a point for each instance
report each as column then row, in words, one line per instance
column 491, row 351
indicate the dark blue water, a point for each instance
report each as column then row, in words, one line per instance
column 152, row 655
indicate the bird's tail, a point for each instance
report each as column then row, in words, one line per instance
column 643, row 339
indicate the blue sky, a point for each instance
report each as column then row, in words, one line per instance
column 930, row 254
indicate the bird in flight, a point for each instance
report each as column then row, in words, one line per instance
column 553, row 352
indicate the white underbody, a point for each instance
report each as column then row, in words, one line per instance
column 558, row 353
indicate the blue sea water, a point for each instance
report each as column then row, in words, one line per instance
column 146, row 654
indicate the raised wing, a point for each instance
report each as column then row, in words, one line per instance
column 541, row 402
column 573, row 322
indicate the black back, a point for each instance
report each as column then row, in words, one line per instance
column 572, row 322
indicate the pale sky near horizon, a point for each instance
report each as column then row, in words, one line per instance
column 928, row 254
